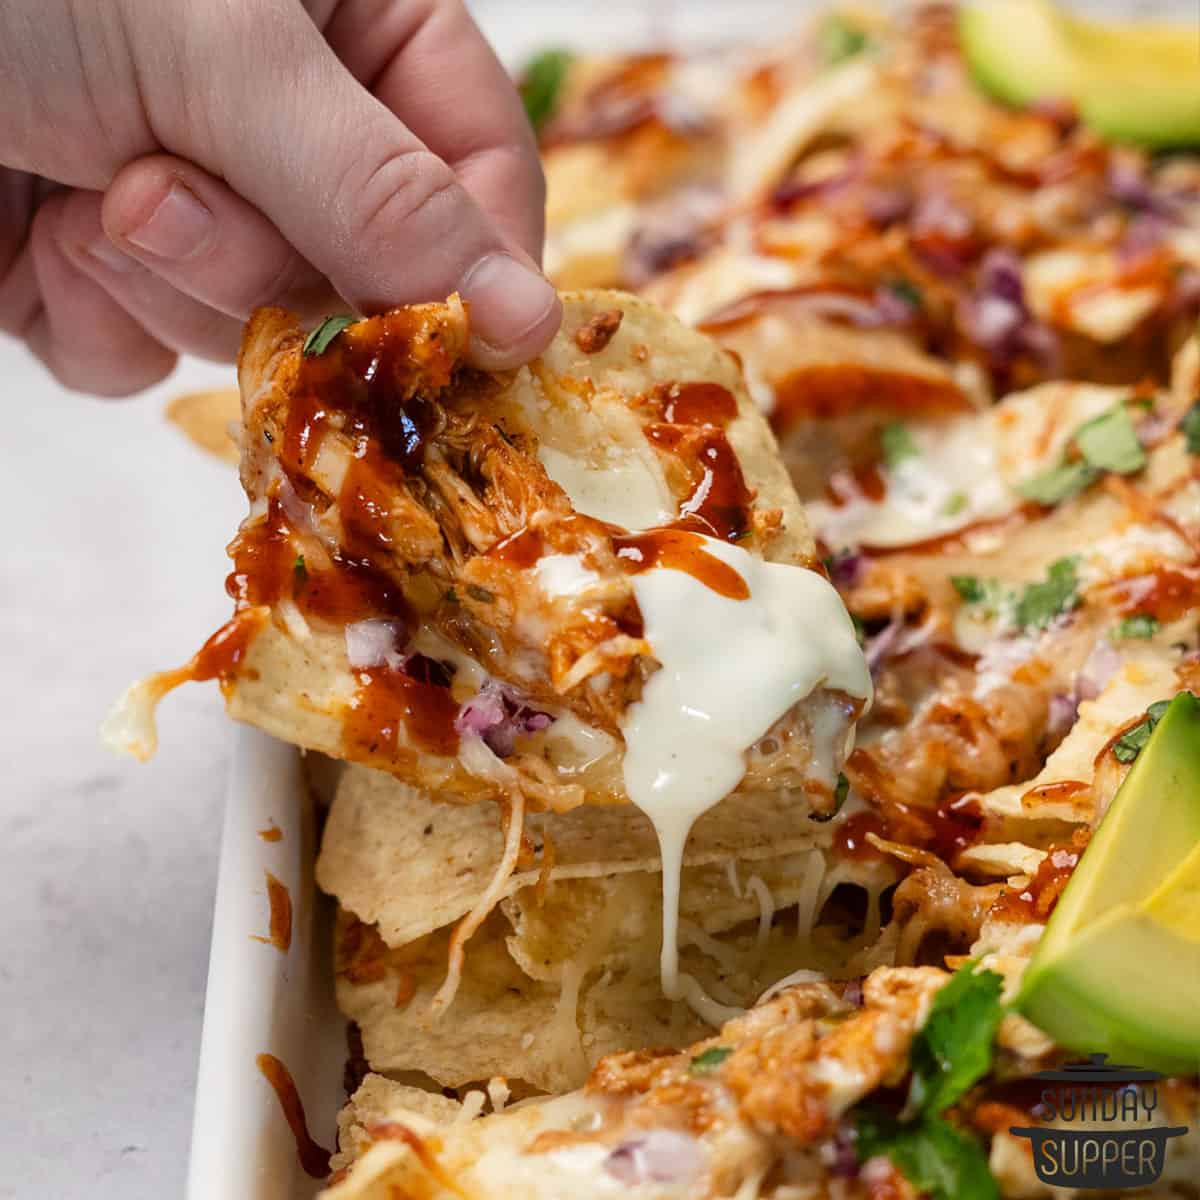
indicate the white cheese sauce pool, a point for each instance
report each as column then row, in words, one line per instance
column 729, row 670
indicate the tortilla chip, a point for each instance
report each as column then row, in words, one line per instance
column 378, row 1099
column 1143, row 679
column 386, row 843
column 601, row 431
column 209, row 420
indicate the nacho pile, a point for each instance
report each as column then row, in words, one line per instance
column 728, row 696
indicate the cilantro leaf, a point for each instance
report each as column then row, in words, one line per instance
column 896, row 443
column 841, row 39
column 955, row 503
column 1041, row 602
column 840, row 792
column 1190, row 427
column 953, row 1049
column 300, row 571
column 542, row 84
column 1109, row 442
column 322, row 337
column 1140, row 625
column 1130, row 744
column 935, row 1157
column 1057, row 484
column 709, row 1060
column 970, row 587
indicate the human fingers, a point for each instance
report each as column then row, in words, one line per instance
column 86, row 339
column 429, row 63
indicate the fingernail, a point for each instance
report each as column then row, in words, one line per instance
column 508, row 302
column 105, row 253
column 179, row 227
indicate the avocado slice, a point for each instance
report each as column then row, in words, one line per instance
column 1137, row 83
column 1015, row 50
column 1118, row 967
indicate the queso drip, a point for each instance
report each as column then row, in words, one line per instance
column 733, row 662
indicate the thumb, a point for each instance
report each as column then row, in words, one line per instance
column 350, row 186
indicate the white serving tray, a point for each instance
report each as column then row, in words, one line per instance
column 260, row 1000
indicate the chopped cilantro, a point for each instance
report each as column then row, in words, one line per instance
column 1190, row 426
column 1140, row 625
column 451, row 596
column 840, row 792
column 1129, row 745
column 969, row 587
column 989, row 594
column 896, row 443
column 955, row 503
column 300, row 571
column 480, row 593
column 841, row 39
column 938, row 1159
column 1041, row 602
column 953, row 1049
column 322, row 337
column 907, row 291
column 542, row 84
column 1108, row 442
column 709, row 1060
column 1057, row 484
column 860, row 630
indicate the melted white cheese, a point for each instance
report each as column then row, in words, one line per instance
column 564, row 575
column 729, row 670
column 626, row 490
column 951, row 481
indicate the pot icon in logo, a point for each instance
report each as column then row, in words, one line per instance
column 1099, row 1132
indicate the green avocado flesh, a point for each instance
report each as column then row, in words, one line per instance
column 1118, row 969
column 1134, row 83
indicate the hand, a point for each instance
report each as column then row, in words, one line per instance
column 173, row 164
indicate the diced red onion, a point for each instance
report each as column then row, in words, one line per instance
column 791, row 190
column 670, row 232
column 498, row 717
column 1129, row 184
column 846, row 568
column 936, row 212
column 1185, row 293
column 997, row 319
column 880, row 646
column 372, row 643
column 482, row 713
column 842, row 1156
column 1062, row 714
column 657, row 1156
column 1101, row 665
column 1145, row 234
column 892, row 307
column 886, row 205
column 941, row 234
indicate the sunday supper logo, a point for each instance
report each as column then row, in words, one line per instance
column 1099, row 1130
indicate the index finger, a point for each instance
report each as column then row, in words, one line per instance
column 429, row 63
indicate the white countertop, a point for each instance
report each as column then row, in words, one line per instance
column 113, row 567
